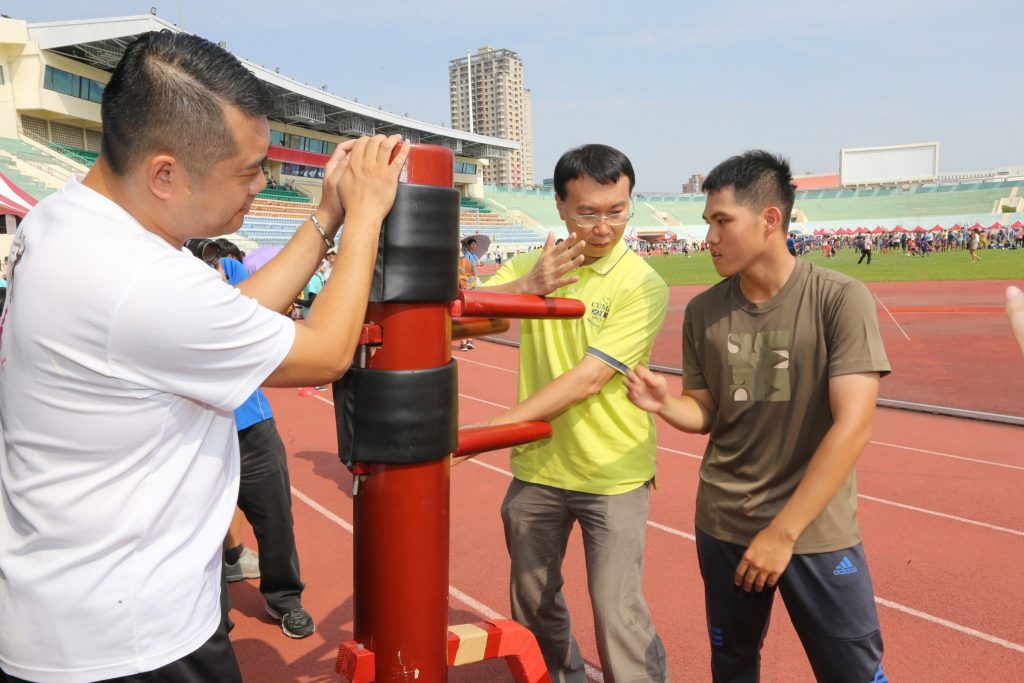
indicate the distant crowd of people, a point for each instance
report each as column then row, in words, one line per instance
column 911, row 243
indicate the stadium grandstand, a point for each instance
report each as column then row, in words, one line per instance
column 52, row 76
column 957, row 201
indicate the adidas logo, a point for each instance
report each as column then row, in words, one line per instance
column 844, row 567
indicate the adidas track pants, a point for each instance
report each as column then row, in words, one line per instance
column 830, row 602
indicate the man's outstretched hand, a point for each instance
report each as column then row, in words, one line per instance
column 554, row 267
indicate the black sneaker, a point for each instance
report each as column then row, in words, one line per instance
column 295, row 623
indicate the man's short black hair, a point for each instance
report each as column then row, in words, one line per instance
column 602, row 163
column 759, row 179
column 167, row 95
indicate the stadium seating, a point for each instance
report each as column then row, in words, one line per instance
column 481, row 217
column 284, row 195
column 918, row 204
column 918, row 201
column 34, row 171
column 84, row 157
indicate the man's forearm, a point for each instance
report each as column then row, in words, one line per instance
column 339, row 309
column 686, row 414
column 277, row 284
column 565, row 391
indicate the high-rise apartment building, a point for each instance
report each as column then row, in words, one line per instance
column 488, row 97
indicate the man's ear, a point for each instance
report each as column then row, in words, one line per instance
column 561, row 207
column 772, row 218
column 164, row 175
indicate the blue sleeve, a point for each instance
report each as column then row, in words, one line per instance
column 234, row 270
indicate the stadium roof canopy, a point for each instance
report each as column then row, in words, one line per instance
column 100, row 43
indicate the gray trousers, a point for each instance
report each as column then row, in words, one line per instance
column 538, row 520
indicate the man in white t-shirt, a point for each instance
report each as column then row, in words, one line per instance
column 119, row 460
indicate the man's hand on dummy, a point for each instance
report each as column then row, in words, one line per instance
column 370, row 179
column 647, row 390
column 555, row 265
column 360, row 177
column 1015, row 312
column 330, row 210
column 766, row 558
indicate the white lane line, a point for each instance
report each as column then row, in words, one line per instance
column 670, row 530
column 480, row 400
column 466, row 599
column 935, row 513
column 688, row 455
column 948, row 455
column 883, row 501
column 898, row 326
column 462, row 359
column 488, row 466
column 322, row 510
column 966, row 630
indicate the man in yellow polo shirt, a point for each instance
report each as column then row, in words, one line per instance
column 597, row 467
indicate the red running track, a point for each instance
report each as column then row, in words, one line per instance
column 939, row 508
column 949, row 343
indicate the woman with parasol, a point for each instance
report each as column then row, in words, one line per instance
column 473, row 248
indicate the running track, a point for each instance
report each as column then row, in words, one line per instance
column 939, row 507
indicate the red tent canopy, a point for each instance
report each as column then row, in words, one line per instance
column 844, row 231
column 995, row 226
column 1017, row 224
column 861, row 230
column 957, row 227
column 898, row 228
column 819, row 232
column 937, row 228
column 13, row 199
column 919, row 228
column 977, row 226
column 878, row 230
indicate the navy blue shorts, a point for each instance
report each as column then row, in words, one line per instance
column 830, row 602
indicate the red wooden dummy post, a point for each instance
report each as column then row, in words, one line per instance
column 401, row 511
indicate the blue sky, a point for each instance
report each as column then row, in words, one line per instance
column 678, row 86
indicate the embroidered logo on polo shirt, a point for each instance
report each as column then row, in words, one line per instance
column 599, row 311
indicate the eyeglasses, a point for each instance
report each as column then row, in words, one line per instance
column 612, row 219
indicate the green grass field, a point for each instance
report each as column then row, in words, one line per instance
column 892, row 267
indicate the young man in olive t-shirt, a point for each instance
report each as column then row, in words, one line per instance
column 781, row 367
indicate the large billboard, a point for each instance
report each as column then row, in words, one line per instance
column 889, row 164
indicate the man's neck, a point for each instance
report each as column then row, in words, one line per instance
column 102, row 180
column 768, row 275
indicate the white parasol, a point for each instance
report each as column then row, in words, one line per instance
column 482, row 244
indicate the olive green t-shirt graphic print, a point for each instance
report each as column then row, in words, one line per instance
column 760, row 365
column 767, row 367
